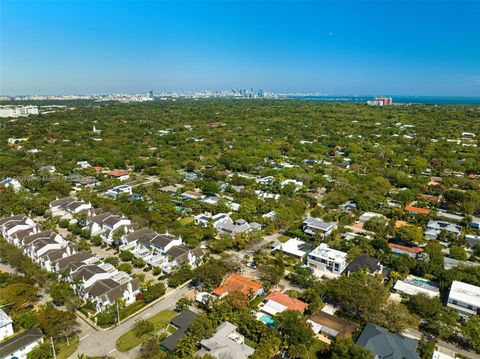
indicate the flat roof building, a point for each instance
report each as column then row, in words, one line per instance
column 465, row 298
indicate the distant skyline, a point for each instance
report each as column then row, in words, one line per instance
column 421, row 48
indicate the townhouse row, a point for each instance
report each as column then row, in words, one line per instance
column 91, row 279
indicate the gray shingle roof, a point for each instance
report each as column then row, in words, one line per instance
column 385, row 344
column 19, row 341
column 364, row 261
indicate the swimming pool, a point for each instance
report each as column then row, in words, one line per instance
column 268, row 320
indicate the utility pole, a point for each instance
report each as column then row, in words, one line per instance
column 53, row 348
column 118, row 314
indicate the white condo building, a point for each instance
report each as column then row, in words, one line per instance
column 326, row 261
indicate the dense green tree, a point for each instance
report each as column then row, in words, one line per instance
column 346, row 348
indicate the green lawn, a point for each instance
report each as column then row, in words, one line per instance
column 63, row 350
column 250, row 343
column 186, row 220
column 129, row 341
column 283, row 238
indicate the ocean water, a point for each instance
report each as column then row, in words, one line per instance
column 427, row 100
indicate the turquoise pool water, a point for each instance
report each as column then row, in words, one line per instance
column 421, row 281
column 268, row 320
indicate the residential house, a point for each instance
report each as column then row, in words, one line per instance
column 181, row 323
column 365, row 263
column 49, row 259
column 11, row 182
column 85, row 276
column 230, row 227
column 207, row 218
column 413, row 285
column 465, row 298
column 18, row 346
column 121, row 175
column 107, row 292
column 315, row 226
column 365, row 217
column 67, row 207
column 80, row 181
column 435, row 227
column 211, row 200
column 449, row 263
column 182, row 254
column 297, row 184
column 11, row 225
column 398, row 249
column 6, row 325
column 267, row 195
column 417, row 210
column 326, row 261
column 294, row 247
column 171, row 189
column 277, row 302
column 225, row 343
column 348, row 206
column 236, row 282
column 66, row 265
column 328, row 327
column 119, row 190
column 106, row 224
column 162, row 243
column 386, row 345
column 48, row 168
column 83, row 164
column 191, row 195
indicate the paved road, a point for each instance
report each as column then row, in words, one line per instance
column 102, row 343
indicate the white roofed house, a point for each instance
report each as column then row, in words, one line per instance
column 119, row 190
column 225, row 343
column 435, row 227
column 413, row 285
column 294, row 247
column 465, row 298
column 297, row 184
column 207, row 218
column 317, row 227
column 326, row 261
column 12, row 183
column 68, row 207
column 11, row 225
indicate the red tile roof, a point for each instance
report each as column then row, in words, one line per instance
column 415, row 250
column 117, row 173
column 429, row 197
column 239, row 283
column 290, row 303
column 417, row 210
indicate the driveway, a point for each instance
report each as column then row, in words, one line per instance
column 102, row 343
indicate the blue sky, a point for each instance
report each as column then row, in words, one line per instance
column 334, row 47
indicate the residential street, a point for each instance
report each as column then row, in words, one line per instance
column 102, row 343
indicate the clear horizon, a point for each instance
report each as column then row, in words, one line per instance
column 414, row 48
